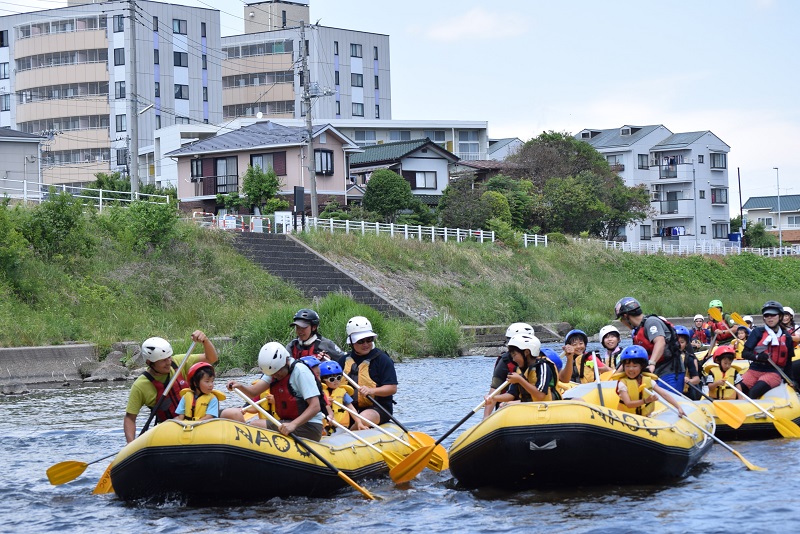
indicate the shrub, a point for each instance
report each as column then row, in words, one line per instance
column 58, row 227
column 557, row 238
column 444, row 336
column 152, row 225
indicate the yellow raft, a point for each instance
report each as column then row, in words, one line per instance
column 782, row 402
column 219, row 459
column 545, row 443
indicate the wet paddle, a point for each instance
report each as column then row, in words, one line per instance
column 788, row 380
column 363, row 491
column 786, row 428
column 730, row 414
column 415, row 462
column 389, row 457
column 63, row 472
column 747, row 464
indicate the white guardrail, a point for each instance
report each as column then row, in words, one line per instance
column 30, row 191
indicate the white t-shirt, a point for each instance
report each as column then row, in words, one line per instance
column 304, row 383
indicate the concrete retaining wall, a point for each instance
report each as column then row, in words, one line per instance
column 51, row 364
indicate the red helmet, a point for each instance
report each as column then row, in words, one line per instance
column 196, row 367
column 724, row 350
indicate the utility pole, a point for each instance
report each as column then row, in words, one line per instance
column 312, row 169
column 133, row 108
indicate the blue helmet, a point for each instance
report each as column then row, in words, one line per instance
column 683, row 331
column 634, row 353
column 576, row 332
column 551, row 355
column 329, row 368
column 310, row 361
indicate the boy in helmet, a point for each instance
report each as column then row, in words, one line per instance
column 505, row 364
column 148, row 388
column 720, row 329
column 636, row 387
column 309, row 342
column 538, row 378
column 722, row 372
column 295, row 389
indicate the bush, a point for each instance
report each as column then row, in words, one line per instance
column 152, row 225
column 505, row 233
column 58, row 227
column 557, row 238
column 444, row 336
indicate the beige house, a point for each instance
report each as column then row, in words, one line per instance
column 216, row 165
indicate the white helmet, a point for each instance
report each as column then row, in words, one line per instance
column 155, row 349
column 524, row 341
column 788, row 310
column 607, row 329
column 518, row 328
column 698, row 316
column 272, row 358
column 358, row 328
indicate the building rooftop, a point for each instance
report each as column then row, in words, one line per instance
column 7, row 134
column 387, row 152
column 614, row 138
column 788, row 203
column 259, row 134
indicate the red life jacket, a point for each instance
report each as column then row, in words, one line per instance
column 166, row 409
column 297, row 350
column 778, row 354
column 671, row 349
column 724, row 336
column 288, row 404
column 700, row 334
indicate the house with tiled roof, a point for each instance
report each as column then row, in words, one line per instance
column 686, row 175
column 780, row 216
column 216, row 165
column 423, row 163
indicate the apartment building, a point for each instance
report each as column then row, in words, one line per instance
column 686, row 175
column 67, row 72
column 262, row 73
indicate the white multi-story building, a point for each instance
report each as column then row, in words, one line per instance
column 67, row 72
column 686, row 175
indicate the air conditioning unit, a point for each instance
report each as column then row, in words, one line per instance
column 655, row 196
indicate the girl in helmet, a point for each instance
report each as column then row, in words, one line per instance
column 580, row 363
column 765, row 344
column 691, row 378
column 505, row 363
column 609, row 339
column 538, row 377
column 722, row 372
column 635, row 386
column 331, row 375
column 148, row 388
column 373, row 371
column 201, row 401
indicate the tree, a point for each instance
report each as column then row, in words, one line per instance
column 497, row 206
column 756, row 236
column 461, row 206
column 259, row 186
column 556, row 155
column 387, row 193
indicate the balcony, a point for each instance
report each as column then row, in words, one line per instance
column 616, row 167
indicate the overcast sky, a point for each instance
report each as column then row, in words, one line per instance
column 527, row 66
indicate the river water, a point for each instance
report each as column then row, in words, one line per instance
column 85, row 423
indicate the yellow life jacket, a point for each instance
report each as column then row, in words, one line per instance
column 341, row 415
column 724, row 391
column 195, row 409
column 532, row 377
column 363, row 379
column 635, row 389
column 588, row 367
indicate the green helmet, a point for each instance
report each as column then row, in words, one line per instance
column 716, row 303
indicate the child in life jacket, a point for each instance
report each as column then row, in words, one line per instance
column 692, row 378
column 722, row 372
column 202, row 400
column 331, row 375
column 633, row 384
column 539, row 377
column 738, row 343
column 609, row 339
column 581, row 363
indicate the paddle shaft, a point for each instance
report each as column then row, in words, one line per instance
column 754, row 403
column 301, row 443
column 700, row 391
column 370, row 423
column 786, row 378
column 167, row 389
column 597, row 378
column 352, row 434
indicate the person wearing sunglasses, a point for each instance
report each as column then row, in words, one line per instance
column 372, row 369
column 331, row 375
column 765, row 343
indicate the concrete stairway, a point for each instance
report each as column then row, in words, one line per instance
column 285, row 257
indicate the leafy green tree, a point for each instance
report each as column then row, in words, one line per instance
column 420, row 214
column 756, row 236
column 461, row 206
column 521, row 196
column 259, row 187
column 387, row 193
column 152, row 225
column 556, row 155
column 232, row 201
column 736, row 223
column 13, row 245
column 497, row 206
column 58, row 227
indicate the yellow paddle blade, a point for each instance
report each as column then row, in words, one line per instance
column 104, row 484
column 787, row 428
column 715, row 314
column 63, row 472
column 361, row 490
column 738, row 319
column 411, row 465
column 604, row 377
column 747, row 464
column 439, row 460
column 730, row 414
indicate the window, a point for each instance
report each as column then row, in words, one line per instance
column 377, row 111
column 338, row 108
column 121, row 123
column 468, row 147
column 122, row 156
column 720, row 230
column 719, row 161
column 365, row 137
column 119, row 56
column 181, row 92
column 197, row 169
column 425, row 180
column 323, row 162
column 375, row 53
column 155, row 24
column 5, row 102
column 701, row 193
column 794, row 220
column 3, row 38
column 158, row 122
column 355, row 50
column 377, row 84
column 179, row 26
column 205, row 62
column 227, row 175
column 180, row 59
column 719, row 196
column 357, row 80
column 158, row 89
column 202, row 29
column 437, row 136
column 336, row 48
column 283, row 18
column 264, row 162
column 644, row 232
column 156, row 56
column 336, row 78
column 399, row 135
column 182, row 120
column 767, row 221
column 644, row 162
column 119, row 25
column 700, row 159
column 205, row 94
column 3, row 71
column 358, row 109
column 119, row 90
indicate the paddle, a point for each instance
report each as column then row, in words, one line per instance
column 63, row 472
column 597, row 378
column 438, row 460
column 104, row 485
column 415, row 462
column 715, row 314
column 167, row 389
column 376, row 427
column 788, row 380
column 786, row 428
column 363, row 491
column 730, row 414
column 389, row 457
column 750, row 466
